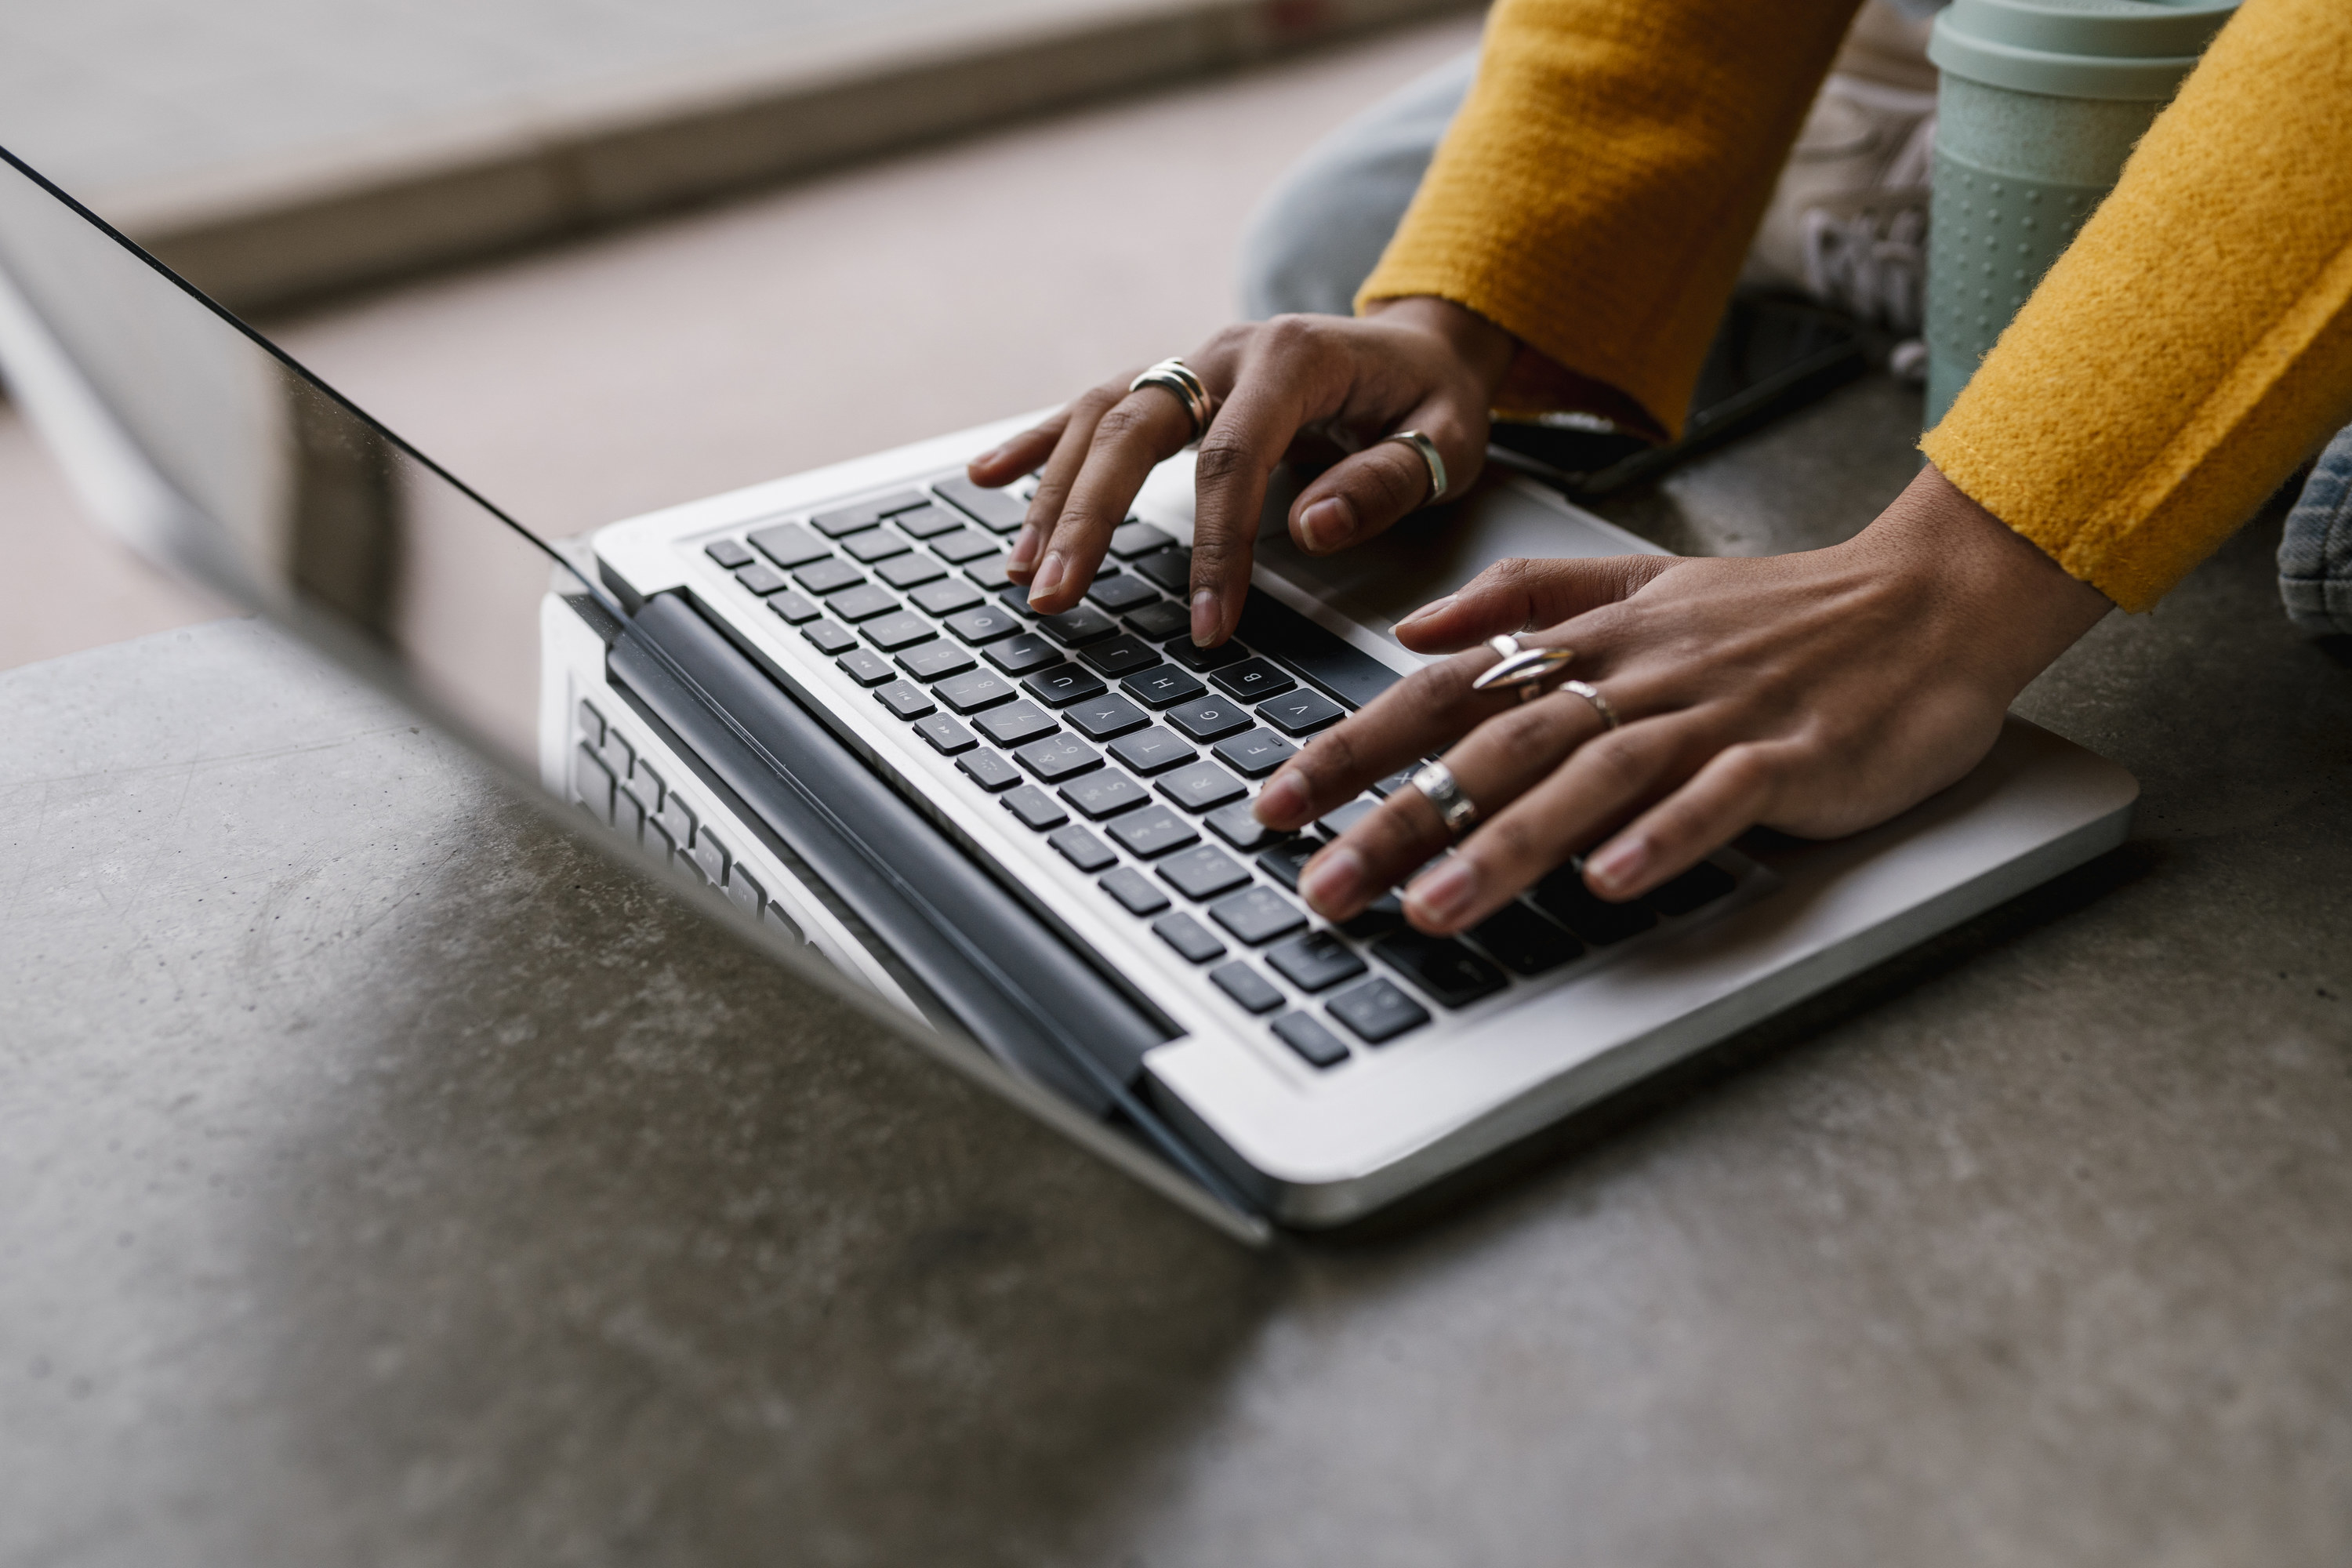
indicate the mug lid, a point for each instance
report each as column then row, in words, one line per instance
column 2129, row 49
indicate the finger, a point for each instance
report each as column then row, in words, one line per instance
column 1370, row 492
column 1601, row 783
column 1000, row 465
column 1134, row 435
column 1723, row 799
column 1061, row 470
column 1426, row 711
column 1493, row 765
column 1514, row 596
column 1293, row 375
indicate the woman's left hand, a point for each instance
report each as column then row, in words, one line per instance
column 1818, row 693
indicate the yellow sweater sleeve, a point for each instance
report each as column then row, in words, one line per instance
column 2195, row 342
column 1596, row 193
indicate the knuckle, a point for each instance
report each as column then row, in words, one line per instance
column 1620, row 759
column 1121, row 422
column 1222, row 458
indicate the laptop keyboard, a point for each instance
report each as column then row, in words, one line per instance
column 1131, row 755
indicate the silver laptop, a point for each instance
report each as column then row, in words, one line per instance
column 817, row 708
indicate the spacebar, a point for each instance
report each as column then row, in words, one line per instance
column 1271, row 627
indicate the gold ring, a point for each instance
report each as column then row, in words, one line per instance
column 1523, row 668
column 1173, row 376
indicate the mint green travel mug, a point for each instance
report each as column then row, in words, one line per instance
column 2040, row 102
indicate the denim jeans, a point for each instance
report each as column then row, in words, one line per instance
column 2315, row 559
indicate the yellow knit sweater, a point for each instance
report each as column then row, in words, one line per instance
column 1597, row 189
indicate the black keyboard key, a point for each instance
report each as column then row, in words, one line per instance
column 1133, row 538
column 1257, row 915
column 947, row 737
column 1189, row 937
column 945, row 598
column 1247, row 986
column 974, row 690
column 1701, row 885
column 1161, row 686
column 1394, row 781
column 906, row 699
column 1155, row 830
column 1315, row 961
column 1285, row 861
column 1310, row 1039
column 1381, row 916
column 729, row 552
column 1378, row 1012
column 989, row 771
column 1300, row 712
column 1151, row 751
column 1020, row 655
column 1121, row 655
column 987, row 571
column 1203, row 787
column 796, row 609
column 899, row 628
column 829, row 638
column 1123, row 593
column 862, row 603
column 761, row 580
column 935, row 660
column 1000, row 512
column 1016, row 724
column 592, row 783
column 877, row 544
column 962, row 546
column 1035, row 807
column 1202, row 872
column 1063, row 684
column 1104, row 717
column 1276, row 629
column 925, row 520
column 912, row 572
column 1210, row 718
column 1564, row 896
column 1135, row 891
column 1077, row 627
column 1105, row 793
column 1253, row 679
column 1256, row 753
column 866, row 667
column 1523, row 942
column 1236, row 826
column 790, row 544
column 1441, row 966
column 1340, row 818
column 1192, row 656
column 1082, row 848
column 1015, row 597
column 1158, row 622
column 829, row 575
column 1171, row 569
column 843, row 519
column 1057, row 757
column 986, row 624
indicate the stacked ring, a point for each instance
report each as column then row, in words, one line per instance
column 1523, row 670
column 1174, row 376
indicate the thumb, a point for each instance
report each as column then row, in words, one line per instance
column 1519, row 594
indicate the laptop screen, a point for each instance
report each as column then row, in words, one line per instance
column 211, row 452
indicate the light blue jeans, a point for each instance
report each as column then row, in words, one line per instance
column 1320, row 231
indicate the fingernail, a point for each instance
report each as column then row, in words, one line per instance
column 1327, row 525
column 1445, row 893
column 1612, row 868
column 1049, row 576
column 1205, row 618
column 986, row 458
column 1330, row 883
column 1282, row 802
column 1025, row 550
column 1431, row 608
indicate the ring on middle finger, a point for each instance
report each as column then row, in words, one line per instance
column 1523, row 670
column 1437, row 785
column 1173, row 376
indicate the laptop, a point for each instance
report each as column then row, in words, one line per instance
column 816, row 709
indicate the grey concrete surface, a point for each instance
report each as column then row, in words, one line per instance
column 389, row 1179
column 272, row 151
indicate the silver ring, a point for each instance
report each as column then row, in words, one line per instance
column 1428, row 451
column 1525, row 669
column 1592, row 694
column 1457, row 811
column 1173, row 376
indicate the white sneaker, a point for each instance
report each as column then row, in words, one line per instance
column 1848, row 222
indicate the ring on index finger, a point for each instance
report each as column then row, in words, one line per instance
column 1173, row 376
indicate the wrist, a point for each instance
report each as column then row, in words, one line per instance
column 1483, row 348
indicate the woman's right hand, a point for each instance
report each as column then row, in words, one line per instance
column 1421, row 363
